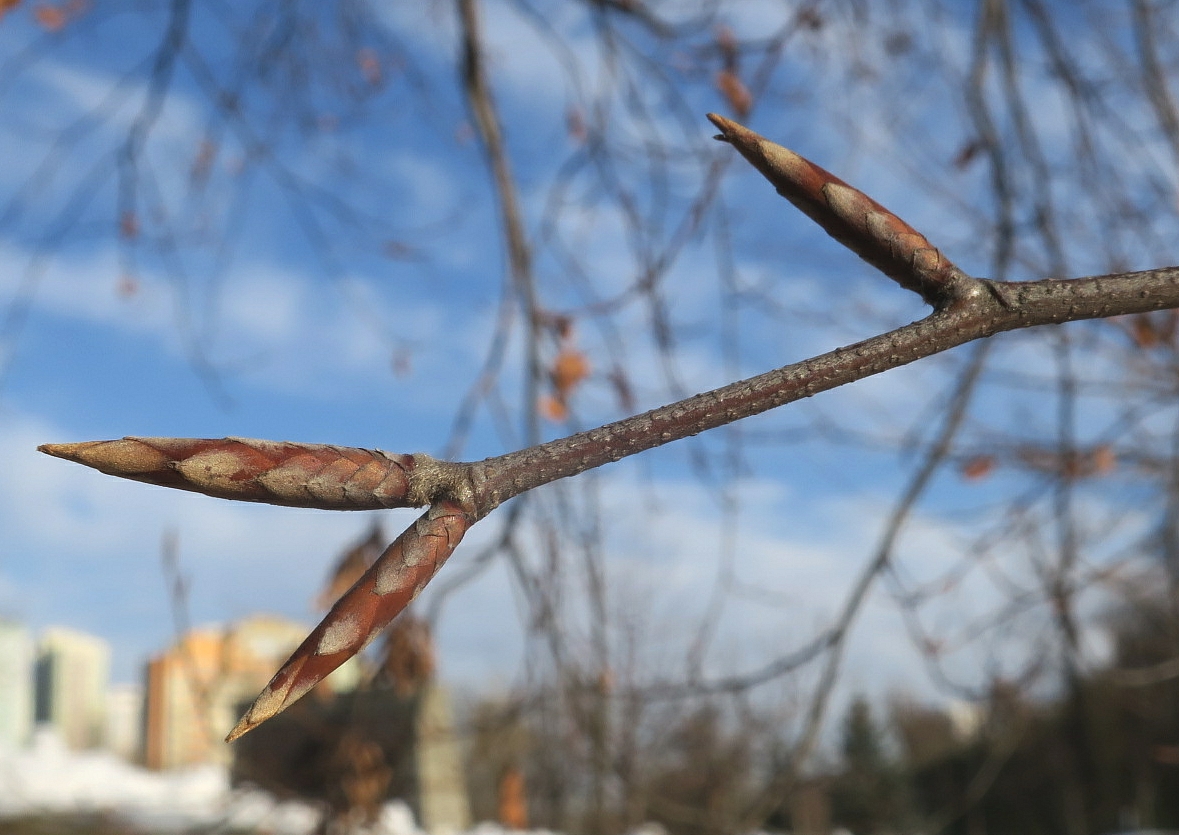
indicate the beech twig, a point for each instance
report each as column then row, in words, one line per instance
column 459, row 494
column 250, row 470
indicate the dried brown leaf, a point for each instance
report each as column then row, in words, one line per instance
column 408, row 655
column 513, row 799
column 735, row 92
column 352, row 565
column 569, row 369
column 1103, row 459
column 552, row 408
column 1084, row 463
column 370, row 66
column 1143, row 332
column 978, row 467
column 202, row 163
column 128, row 225
column 575, row 125
column 50, row 18
column 127, row 287
column 726, row 43
column 402, row 363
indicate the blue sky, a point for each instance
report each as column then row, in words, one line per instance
column 282, row 338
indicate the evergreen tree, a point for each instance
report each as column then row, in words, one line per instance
column 865, row 796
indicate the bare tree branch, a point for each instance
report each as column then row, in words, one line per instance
column 519, row 251
column 965, row 309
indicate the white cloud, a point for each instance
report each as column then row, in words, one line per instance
column 278, row 329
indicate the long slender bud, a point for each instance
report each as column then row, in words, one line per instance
column 847, row 214
column 250, row 470
column 395, row 579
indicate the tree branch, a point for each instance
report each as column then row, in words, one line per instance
column 337, row 478
column 519, row 252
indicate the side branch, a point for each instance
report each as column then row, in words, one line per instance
column 982, row 309
column 347, row 478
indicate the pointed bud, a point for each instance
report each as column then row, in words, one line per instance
column 274, row 472
column 847, row 214
column 395, row 579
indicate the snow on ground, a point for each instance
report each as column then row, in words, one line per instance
column 48, row 778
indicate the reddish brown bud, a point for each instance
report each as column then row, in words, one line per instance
column 846, row 214
column 395, row 579
column 274, row 472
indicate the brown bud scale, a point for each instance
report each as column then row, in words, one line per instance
column 245, row 469
column 396, row 578
column 847, row 214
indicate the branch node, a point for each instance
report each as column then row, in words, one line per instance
column 432, row 480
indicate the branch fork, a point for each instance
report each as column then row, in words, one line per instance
column 965, row 308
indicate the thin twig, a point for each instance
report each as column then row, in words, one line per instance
column 519, row 251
